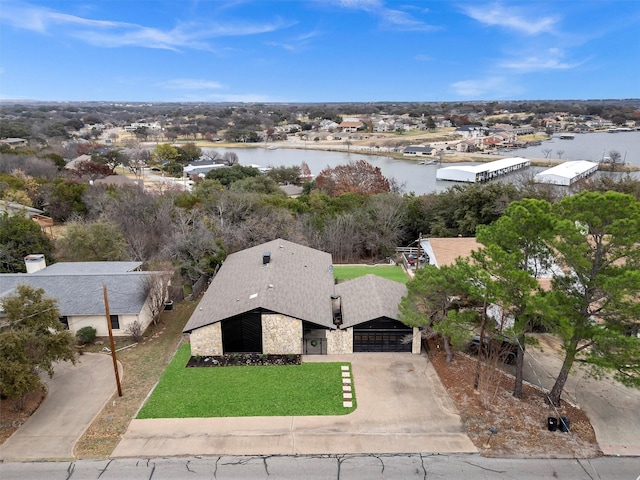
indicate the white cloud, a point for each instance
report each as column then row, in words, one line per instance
column 296, row 44
column 550, row 59
column 491, row 87
column 191, row 84
column 512, row 18
column 391, row 18
column 109, row 34
column 230, row 97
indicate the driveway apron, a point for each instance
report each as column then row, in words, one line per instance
column 613, row 409
column 401, row 408
column 76, row 394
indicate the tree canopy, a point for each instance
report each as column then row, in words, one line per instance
column 20, row 236
column 33, row 340
column 593, row 304
column 355, row 177
column 98, row 241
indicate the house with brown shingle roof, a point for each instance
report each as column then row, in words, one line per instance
column 350, row 126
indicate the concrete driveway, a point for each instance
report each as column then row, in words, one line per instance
column 614, row 410
column 402, row 408
column 76, row 394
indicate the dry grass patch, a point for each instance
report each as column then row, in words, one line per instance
column 521, row 423
column 142, row 365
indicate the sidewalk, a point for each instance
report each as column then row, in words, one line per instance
column 402, row 408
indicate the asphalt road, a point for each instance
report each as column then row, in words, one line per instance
column 328, row 467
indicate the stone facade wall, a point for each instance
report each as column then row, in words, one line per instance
column 281, row 334
column 207, row 340
column 416, row 344
column 340, row 341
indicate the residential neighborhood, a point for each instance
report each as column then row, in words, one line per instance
column 196, row 264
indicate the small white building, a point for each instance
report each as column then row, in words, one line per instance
column 567, row 173
column 482, row 172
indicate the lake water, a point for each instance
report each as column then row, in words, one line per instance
column 421, row 179
column 588, row 146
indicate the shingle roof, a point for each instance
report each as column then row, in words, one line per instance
column 444, row 251
column 82, row 294
column 296, row 282
column 369, row 297
column 84, row 268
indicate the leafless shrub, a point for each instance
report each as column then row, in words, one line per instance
column 135, row 330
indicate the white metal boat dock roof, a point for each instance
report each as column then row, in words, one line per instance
column 567, row 173
column 482, row 172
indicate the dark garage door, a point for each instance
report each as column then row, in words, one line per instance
column 381, row 336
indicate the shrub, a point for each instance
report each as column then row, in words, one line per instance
column 135, row 330
column 86, row 335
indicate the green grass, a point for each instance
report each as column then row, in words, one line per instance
column 298, row 390
column 391, row 272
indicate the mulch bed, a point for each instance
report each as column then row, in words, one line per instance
column 11, row 418
column 521, row 424
column 243, row 359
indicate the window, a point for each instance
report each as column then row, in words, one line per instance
column 65, row 321
column 115, row 322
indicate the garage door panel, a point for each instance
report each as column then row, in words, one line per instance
column 381, row 341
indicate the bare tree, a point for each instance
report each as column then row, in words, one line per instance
column 230, row 158
column 546, row 152
column 560, row 153
column 615, row 160
column 156, row 285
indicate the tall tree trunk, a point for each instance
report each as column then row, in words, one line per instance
column 558, row 387
column 517, row 387
column 447, row 349
column 483, row 324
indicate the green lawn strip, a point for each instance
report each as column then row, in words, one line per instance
column 299, row 390
column 390, row 272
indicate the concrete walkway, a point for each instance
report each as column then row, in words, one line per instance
column 614, row 410
column 402, row 408
column 76, row 394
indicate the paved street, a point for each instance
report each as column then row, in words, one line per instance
column 328, row 467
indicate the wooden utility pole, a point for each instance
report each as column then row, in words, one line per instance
column 111, row 342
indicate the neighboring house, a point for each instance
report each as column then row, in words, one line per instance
column 382, row 126
column 470, row 131
column 202, row 167
column 281, row 298
column 71, row 164
column 350, row 126
column 444, row 251
column 78, row 288
column 120, row 181
column 11, row 208
column 14, row 142
column 418, row 151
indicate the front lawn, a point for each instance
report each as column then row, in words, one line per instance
column 298, row 390
column 390, row 272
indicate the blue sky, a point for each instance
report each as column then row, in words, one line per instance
column 318, row 50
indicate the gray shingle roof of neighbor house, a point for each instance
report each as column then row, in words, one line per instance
column 82, row 294
column 297, row 282
column 84, row 268
column 369, row 297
